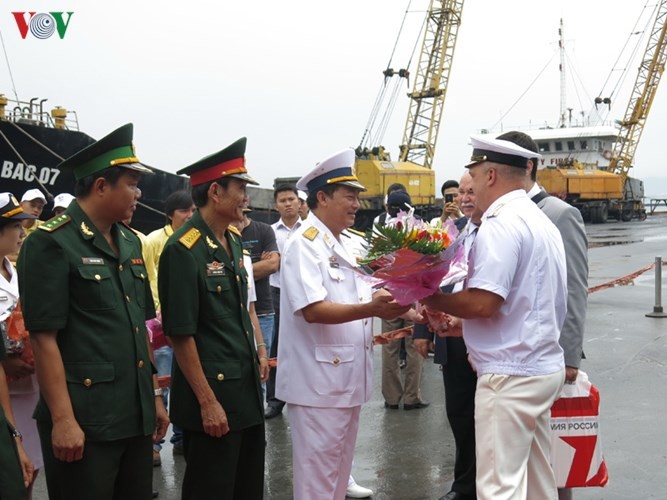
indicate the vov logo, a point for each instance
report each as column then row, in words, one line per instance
column 42, row 24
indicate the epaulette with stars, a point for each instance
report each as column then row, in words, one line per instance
column 234, row 230
column 310, row 233
column 55, row 223
column 190, row 238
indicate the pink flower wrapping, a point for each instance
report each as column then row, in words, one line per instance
column 411, row 276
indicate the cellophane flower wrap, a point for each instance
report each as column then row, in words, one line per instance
column 411, row 258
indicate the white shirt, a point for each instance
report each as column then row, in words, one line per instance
column 282, row 234
column 468, row 235
column 518, row 254
column 9, row 290
column 252, row 294
column 326, row 366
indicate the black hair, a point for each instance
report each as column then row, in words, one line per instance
column 283, row 188
column 84, row 185
column 396, row 186
column 447, row 185
column 200, row 192
column 526, row 142
column 327, row 190
column 178, row 200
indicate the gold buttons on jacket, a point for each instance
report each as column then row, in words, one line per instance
column 219, row 289
column 136, row 329
column 140, row 364
column 336, row 361
column 238, row 278
column 127, row 297
column 87, row 382
column 120, row 268
column 221, row 376
column 98, row 277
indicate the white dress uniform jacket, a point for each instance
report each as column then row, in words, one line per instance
column 326, row 366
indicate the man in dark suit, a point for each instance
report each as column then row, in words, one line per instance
column 570, row 223
column 459, row 378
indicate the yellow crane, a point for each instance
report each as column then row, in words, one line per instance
column 646, row 85
column 374, row 167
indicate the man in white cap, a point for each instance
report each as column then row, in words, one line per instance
column 303, row 204
column 513, row 308
column 61, row 202
column 32, row 202
column 325, row 351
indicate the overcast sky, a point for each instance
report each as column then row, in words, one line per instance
column 299, row 77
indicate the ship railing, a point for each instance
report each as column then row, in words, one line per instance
column 33, row 113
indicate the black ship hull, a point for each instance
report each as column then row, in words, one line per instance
column 26, row 163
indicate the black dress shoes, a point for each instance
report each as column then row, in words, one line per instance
column 390, row 407
column 416, row 406
column 455, row 495
column 272, row 411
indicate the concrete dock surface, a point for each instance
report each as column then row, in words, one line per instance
column 409, row 455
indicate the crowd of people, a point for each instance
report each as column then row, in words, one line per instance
column 94, row 315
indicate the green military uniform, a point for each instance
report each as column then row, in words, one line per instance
column 11, row 475
column 203, row 293
column 207, row 292
column 72, row 282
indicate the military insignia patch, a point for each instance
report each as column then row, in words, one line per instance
column 311, row 233
column 234, row 230
column 55, row 223
column 210, row 243
column 86, row 230
column 215, row 269
column 190, row 238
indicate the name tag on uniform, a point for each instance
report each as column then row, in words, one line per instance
column 215, row 269
column 93, row 261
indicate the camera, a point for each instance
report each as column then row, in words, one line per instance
column 449, row 198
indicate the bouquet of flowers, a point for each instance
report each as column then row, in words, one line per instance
column 412, row 258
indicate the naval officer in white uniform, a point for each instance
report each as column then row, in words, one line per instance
column 325, row 350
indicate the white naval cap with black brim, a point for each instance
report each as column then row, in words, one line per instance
column 499, row 151
column 335, row 169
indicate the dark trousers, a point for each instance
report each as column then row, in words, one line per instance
column 271, row 399
column 109, row 470
column 229, row 467
column 460, row 385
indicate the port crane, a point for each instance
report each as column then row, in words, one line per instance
column 650, row 72
column 374, row 166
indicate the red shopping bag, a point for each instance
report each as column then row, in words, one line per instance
column 576, row 450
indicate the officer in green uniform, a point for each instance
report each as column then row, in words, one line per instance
column 216, row 394
column 86, row 297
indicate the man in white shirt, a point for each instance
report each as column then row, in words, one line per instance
column 287, row 204
column 513, row 309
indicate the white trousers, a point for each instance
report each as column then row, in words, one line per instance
column 512, row 416
column 323, row 441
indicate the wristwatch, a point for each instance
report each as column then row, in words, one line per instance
column 16, row 434
column 158, row 392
